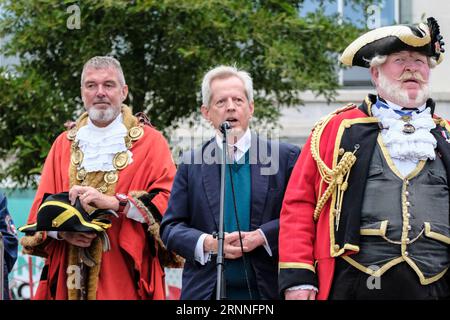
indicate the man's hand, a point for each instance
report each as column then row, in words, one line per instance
column 79, row 239
column 230, row 249
column 250, row 240
column 91, row 197
column 300, row 295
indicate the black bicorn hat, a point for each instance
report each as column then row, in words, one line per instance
column 56, row 213
column 424, row 38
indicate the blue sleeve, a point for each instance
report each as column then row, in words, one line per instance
column 9, row 233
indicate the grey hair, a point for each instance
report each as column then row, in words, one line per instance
column 379, row 60
column 224, row 72
column 104, row 62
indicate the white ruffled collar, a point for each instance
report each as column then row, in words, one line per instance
column 100, row 145
column 416, row 146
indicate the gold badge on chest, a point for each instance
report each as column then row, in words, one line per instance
column 136, row 133
column 408, row 128
column 81, row 174
column 120, row 160
column 111, row 177
column 76, row 157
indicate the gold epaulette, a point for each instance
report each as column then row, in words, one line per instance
column 328, row 117
column 337, row 177
column 347, row 107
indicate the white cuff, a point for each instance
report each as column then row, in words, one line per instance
column 266, row 244
column 134, row 213
column 200, row 255
column 303, row 287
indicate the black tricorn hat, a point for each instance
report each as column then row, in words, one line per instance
column 56, row 213
column 424, row 38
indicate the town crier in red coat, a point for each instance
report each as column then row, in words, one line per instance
column 366, row 211
column 113, row 160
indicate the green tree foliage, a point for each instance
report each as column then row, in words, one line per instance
column 164, row 46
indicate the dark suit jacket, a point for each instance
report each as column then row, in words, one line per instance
column 194, row 209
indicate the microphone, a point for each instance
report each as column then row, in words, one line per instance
column 225, row 126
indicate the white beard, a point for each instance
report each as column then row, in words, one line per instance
column 103, row 116
column 395, row 93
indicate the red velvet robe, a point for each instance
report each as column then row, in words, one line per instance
column 152, row 169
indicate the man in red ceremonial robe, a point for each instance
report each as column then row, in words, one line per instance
column 109, row 160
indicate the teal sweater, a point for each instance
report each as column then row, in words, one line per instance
column 236, row 287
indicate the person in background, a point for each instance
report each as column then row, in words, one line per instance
column 9, row 244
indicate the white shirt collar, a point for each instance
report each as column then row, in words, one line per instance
column 242, row 145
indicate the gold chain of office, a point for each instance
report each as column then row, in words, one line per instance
column 120, row 160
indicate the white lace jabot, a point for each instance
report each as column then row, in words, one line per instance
column 406, row 150
column 100, row 145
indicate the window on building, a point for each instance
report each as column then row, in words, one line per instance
column 381, row 13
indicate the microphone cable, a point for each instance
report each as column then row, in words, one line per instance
column 240, row 236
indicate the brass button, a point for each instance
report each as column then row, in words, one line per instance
column 409, row 228
column 408, row 215
column 407, row 193
column 341, row 151
column 347, row 126
column 408, row 204
column 406, row 253
column 407, row 182
column 336, row 247
column 408, row 240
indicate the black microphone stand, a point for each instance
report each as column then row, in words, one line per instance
column 220, row 286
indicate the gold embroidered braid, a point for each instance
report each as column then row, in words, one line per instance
column 336, row 178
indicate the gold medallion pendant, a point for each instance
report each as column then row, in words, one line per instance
column 81, row 174
column 120, row 160
column 135, row 133
column 76, row 157
column 111, row 177
column 408, row 128
column 72, row 134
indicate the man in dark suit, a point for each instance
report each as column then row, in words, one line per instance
column 257, row 173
